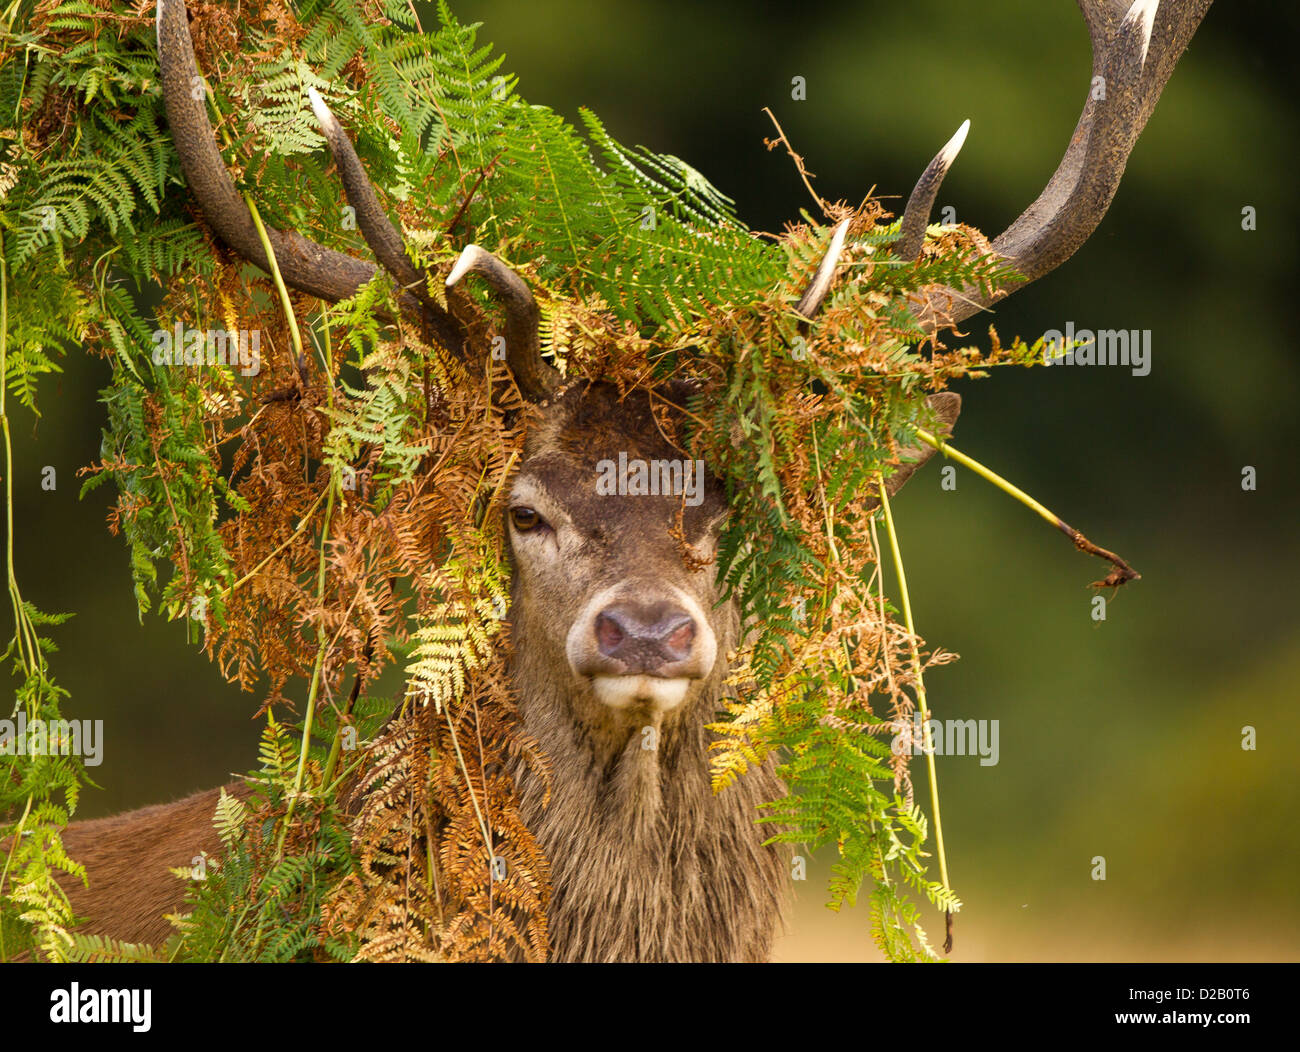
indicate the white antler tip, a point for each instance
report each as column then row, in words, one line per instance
column 323, row 115
column 464, row 264
column 949, row 152
column 1142, row 15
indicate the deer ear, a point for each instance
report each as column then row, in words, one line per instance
column 946, row 406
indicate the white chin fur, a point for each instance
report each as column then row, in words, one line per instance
column 622, row 692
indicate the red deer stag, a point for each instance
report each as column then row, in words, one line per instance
column 611, row 632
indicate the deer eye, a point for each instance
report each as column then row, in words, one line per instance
column 525, row 519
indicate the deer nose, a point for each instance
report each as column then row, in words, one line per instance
column 646, row 639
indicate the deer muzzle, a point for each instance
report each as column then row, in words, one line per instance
column 642, row 648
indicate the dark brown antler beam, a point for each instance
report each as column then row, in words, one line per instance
column 304, row 265
column 384, row 239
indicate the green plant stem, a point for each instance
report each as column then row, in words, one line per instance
column 25, row 634
column 280, row 286
column 336, row 745
column 281, row 289
column 313, row 691
column 1122, row 572
column 987, row 475
column 331, row 762
column 920, row 686
column 322, row 639
column 14, row 596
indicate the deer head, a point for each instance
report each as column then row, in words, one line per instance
column 618, row 625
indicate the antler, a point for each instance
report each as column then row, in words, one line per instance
column 383, row 238
column 1134, row 50
column 304, row 265
column 916, row 216
column 536, row 377
column 811, row 301
column 1135, row 47
column 533, row 375
column 310, row 267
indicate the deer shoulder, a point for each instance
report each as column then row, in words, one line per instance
column 129, row 858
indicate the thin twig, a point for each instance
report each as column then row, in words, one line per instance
column 804, row 174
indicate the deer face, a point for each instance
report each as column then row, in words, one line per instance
column 629, row 613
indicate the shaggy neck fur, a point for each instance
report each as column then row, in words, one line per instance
column 647, row 863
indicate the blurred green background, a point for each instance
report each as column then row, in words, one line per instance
column 1120, row 739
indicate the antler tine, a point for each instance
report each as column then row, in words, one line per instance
column 535, row 377
column 305, row 265
column 1135, row 48
column 383, row 238
column 811, row 301
column 916, row 216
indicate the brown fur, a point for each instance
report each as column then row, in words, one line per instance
column 127, row 858
column 647, row 863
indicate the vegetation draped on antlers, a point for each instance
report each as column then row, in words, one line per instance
column 1135, row 48
column 797, row 441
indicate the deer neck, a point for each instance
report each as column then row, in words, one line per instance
column 647, row 862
